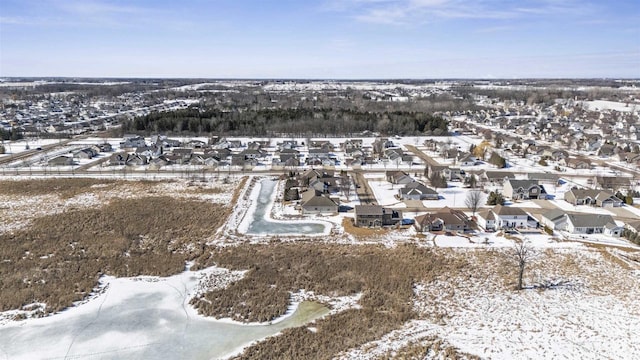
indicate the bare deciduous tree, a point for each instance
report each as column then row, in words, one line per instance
column 345, row 185
column 521, row 254
column 473, row 200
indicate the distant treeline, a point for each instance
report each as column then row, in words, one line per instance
column 267, row 122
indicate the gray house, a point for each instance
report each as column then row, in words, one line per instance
column 314, row 202
column 417, row 191
column 554, row 219
column 592, row 224
column 591, row 197
column 60, row 161
column 523, row 190
column 376, row 216
column 398, row 177
column 445, row 219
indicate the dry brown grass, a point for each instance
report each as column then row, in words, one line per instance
column 65, row 188
column 385, row 277
column 59, row 258
column 431, row 347
column 361, row 233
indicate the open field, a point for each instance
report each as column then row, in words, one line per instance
column 58, row 258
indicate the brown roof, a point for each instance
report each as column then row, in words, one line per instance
column 369, row 210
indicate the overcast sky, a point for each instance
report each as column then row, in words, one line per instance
column 320, row 39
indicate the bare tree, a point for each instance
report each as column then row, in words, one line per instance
column 521, row 254
column 345, row 185
column 473, row 200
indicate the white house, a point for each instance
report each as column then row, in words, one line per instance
column 510, row 217
column 487, row 220
column 554, row 219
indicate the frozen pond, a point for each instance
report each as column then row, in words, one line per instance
column 140, row 319
column 260, row 224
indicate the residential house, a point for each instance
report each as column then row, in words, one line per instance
column 381, row 144
column 86, row 153
column 314, row 202
column 591, row 197
column 376, row 216
column 195, row 144
column 351, row 144
column 136, row 160
column 61, row 160
column 158, row 162
column 495, row 177
column 417, row 191
column 523, row 190
column 487, row 220
column 132, row 142
column 576, row 163
column 252, row 154
column 118, row 159
column 105, row 147
column 592, row 224
column 286, row 154
column 453, row 174
column 184, row 154
column 394, row 156
column 633, row 226
column 554, row 219
column 612, row 183
column 501, row 216
column 445, row 219
column 398, row 177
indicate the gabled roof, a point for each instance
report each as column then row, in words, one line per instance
column 585, row 193
column 525, row 184
column 508, row 210
column 369, row 210
column 417, row 188
column 487, row 214
column 589, row 220
column 319, row 200
column 554, row 214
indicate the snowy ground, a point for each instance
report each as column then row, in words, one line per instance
column 570, row 309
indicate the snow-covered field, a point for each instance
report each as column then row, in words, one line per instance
column 576, row 305
column 610, row 105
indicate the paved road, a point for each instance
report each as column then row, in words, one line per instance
column 28, row 153
column 424, row 157
column 365, row 194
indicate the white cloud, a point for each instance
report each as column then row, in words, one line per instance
column 97, row 8
column 408, row 11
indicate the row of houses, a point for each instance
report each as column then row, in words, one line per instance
column 88, row 152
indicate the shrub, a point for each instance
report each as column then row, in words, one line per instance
column 495, row 198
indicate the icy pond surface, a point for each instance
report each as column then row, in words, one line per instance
column 260, row 224
column 140, row 319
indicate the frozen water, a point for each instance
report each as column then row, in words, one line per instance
column 138, row 319
column 261, row 225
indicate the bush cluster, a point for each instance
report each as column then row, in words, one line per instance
column 385, row 277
